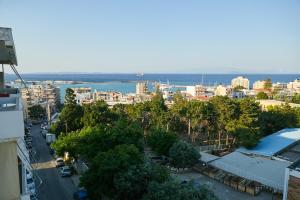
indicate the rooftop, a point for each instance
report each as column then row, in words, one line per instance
column 295, row 165
column 272, row 144
column 265, row 171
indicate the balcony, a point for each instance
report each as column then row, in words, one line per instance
column 11, row 114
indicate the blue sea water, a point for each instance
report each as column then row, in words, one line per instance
column 125, row 83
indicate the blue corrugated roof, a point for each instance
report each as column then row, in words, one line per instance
column 272, row 144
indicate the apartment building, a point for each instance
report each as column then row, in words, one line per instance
column 259, row 85
column 14, row 157
column 141, row 88
column 240, row 81
column 46, row 95
column 222, row 90
column 196, row 90
column 294, row 85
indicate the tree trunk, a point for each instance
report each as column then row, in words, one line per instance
column 227, row 138
column 219, row 138
column 189, row 127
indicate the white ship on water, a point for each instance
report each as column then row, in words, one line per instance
column 140, row 74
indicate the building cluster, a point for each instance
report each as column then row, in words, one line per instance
column 86, row 96
column 240, row 87
column 273, row 165
column 45, row 94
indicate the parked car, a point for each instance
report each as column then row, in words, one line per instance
column 80, row 195
column 51, row 151
column 28, row 175
column 65, row 171
column 30, row 185
column 34, row 196
column 59, row 162
column 28, row 139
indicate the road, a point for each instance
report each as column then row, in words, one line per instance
column 53, row 186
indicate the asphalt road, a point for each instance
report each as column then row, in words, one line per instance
column 53, row 186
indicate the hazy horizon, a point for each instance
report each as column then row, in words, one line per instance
column 222, row 37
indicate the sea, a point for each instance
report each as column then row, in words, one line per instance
column 125, row 83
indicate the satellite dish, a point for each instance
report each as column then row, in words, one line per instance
column 7, row 47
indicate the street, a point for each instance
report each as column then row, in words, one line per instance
column 53, row 186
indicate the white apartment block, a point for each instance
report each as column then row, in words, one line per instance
column 295, row 85
column 195, row 90
column 141, row 88
column 14, row 157
column 240, row 81
column 222, row 90
column 259, row 85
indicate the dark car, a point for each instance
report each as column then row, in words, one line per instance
column 51, row 151
column 80, row 195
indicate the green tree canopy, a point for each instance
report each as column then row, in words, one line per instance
column 172, row 190
column 262, row 95
column 268, row 84
column 183, row 155
column 70, row 97
column 97, row 113
column 71, row 116
column 105, row 170
column 36, row 111
column 161, row 141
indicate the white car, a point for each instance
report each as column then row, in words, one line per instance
column 59, row 162
column 30, row 185
column 65, row 171
column 28, row 174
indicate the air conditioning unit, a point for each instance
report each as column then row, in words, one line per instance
column 7, row 47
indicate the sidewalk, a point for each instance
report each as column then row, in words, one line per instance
column 76, row 180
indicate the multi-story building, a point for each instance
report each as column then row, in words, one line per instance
column 222, row 90
column 14, row 157
column 240, row 81
column 46, row 95
column 295, row 85
column 279, row 86
column 196, row 90
column 141, row 88
column 259, row 85
column 83, row 95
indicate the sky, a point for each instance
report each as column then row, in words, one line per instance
column 155, row 36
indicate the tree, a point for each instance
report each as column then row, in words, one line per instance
column 97, row 113
column 262, row 95
column 227, row 114
column 268, row 84
column 101, row 179
column 161, row 141
column 277, row 118
column 296, row 98
column 238, row 88
column 133, row 183
column 71, row 116
column 172, row 190
column 57, row 127
column 70, row 97
column 36, row 111
column 247, row 137
column 247, row 129
column 183, row 155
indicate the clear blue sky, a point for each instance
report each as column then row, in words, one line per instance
column 155, row 36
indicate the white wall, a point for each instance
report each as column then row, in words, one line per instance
column 11, row 124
